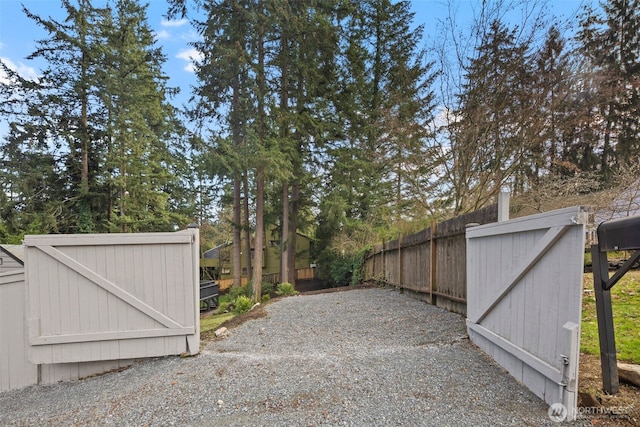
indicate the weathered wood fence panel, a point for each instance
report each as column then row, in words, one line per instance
column 524, row 299
column 430, row 263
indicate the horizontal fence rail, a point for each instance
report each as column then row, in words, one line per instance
column 430, row 263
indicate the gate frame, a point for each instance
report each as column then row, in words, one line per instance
column 64, row 345
column 563, row 370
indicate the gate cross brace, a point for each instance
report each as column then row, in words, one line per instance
column 552, row 235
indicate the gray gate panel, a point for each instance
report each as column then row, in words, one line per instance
column 524, row 299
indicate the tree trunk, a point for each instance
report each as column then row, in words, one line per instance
column 259, row 244
column 246, row 225
column 284, row 242
column 237, row 183
column 284, row 107
column 293, row 228
column 259, row 237
column 237, row 238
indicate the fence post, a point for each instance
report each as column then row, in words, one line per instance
column 432, row 261
column 503, row 206
column 400, row 278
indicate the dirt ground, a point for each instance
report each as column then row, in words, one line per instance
column 593, row 399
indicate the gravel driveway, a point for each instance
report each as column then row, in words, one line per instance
column 363, row 357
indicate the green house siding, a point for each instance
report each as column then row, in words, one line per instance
column 217, row 263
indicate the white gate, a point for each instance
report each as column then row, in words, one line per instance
column 524, row 299
column 15, row 369
column 111, row 296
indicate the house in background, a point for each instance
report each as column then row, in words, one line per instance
column 11, row 257
column 217, row 262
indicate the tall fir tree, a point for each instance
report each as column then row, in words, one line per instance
column 143, row 151
column 610, row 45
column 98, row 115
column 495, row 131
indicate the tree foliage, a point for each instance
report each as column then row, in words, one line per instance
column 94, row 145
column 325, row 117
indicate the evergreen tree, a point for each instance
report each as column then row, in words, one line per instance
column 62, row 113
column 98, row 118
column 225, row 92
column 143, row 158
column 552, row 95
column 611, row 50
column 387, row 106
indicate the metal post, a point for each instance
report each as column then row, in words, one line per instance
column 608, row 362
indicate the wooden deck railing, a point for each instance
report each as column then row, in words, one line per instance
column 301, row 274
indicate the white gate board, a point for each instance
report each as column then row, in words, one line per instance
column 106, row 297
column 524, row 299
column 15, row 369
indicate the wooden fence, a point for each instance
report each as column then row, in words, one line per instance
column 274, row 278
column 430, row 263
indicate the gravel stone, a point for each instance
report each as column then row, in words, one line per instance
column 363, row 357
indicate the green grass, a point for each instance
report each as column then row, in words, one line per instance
column 211, row 323
column 625, row 301
column 613, row 255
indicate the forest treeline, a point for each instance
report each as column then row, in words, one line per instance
column 331, row 118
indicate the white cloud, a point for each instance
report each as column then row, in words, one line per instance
column 22, row 69
column 190, row 36
column 189, row 55
column 163, row 35
column 179, row 23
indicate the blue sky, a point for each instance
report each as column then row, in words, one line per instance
column 18, row 34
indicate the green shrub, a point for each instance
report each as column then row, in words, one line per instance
column 236, row 291
column 266, row 297
column 242, row 304
column 348, row 270
column 285, row 289
column 267, row 288
column 223, row 307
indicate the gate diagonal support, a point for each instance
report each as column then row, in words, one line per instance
column 109, row 286
column 534, row 255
